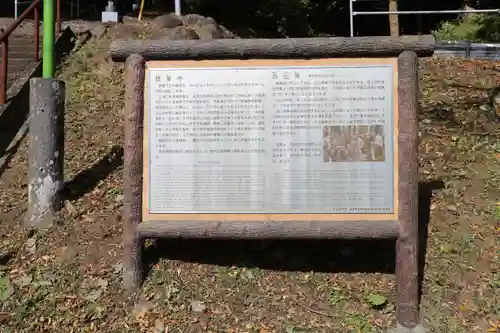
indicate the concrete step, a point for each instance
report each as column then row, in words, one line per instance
column 27, row 55
column 23, row 47
column 17, row 66
column 30, row 56
column 21, row 53
column 21, row 39
column 22, row 42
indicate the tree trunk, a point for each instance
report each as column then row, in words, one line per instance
column 420, row 17
column 468, row 4
column 393, row 19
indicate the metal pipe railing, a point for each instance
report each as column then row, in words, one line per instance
column 421, row 12
column 467, row 49
column 4, row 40
column 353, row 13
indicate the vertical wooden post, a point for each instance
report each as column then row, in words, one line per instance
column 3, row 69
column 393, row 18
column 46, row 151
column 420, row 17
column 132, row 172
column 58, row 18
column 37, row 33
column 407, row 279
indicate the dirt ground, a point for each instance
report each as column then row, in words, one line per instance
column 68, row 279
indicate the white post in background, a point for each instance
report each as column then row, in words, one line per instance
column 178, row 7
column 15, row 9
column 351, row 17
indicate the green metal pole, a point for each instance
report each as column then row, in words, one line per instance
column 48, row 38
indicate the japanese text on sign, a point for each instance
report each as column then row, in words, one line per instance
column 317, row 139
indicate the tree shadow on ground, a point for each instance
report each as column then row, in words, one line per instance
column 9, row 153
column 12, row 118
column 15, row 113
column 453, row 112
column 88, row 179
column 425, row 192
column 6, row 257
column 365, row 256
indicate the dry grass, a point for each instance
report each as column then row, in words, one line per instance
column 72, row 282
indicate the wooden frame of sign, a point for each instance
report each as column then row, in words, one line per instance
column 399, row 222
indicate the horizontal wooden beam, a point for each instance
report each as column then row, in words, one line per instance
column 284, row 48
column 274, row 230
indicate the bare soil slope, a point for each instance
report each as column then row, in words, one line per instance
column 68, row 280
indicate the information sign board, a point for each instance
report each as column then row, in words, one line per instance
column 271, row 140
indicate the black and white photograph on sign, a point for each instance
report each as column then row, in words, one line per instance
column 353, row 143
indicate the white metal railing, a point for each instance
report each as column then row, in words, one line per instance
column 466, row 49
column 75, row 6
column 354, row 13
column 16, row 6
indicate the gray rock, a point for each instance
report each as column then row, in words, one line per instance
column 100, row 31
column 209, row 31
column 228, row 33
column 184, row 33
column 167, row 21
column 30, row 246
column 177, row 33
column 191, row 19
